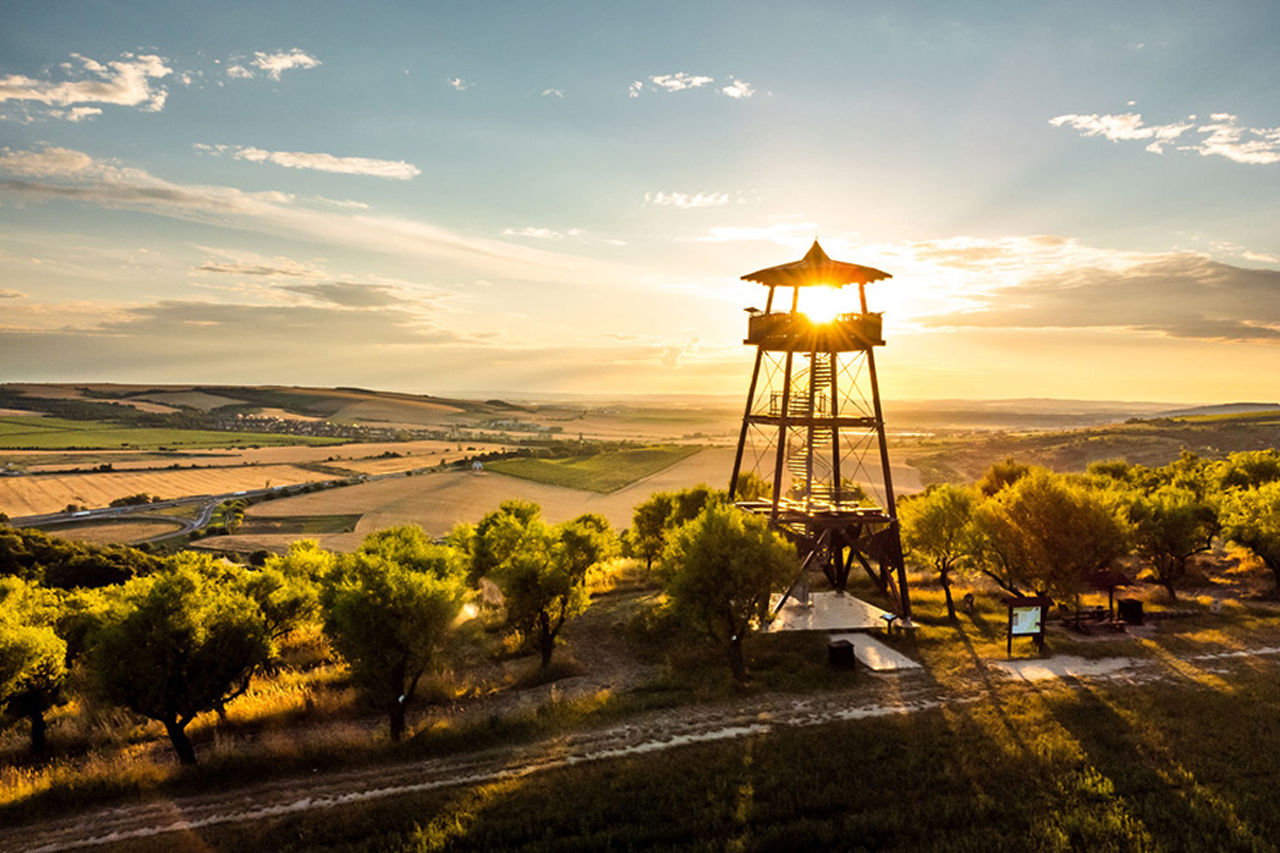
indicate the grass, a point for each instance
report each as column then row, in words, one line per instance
column 43, row 433
column 602, row 472
column 1180, row 764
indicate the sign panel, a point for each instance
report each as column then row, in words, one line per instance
column 1027, row 621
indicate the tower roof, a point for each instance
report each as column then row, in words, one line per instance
column 816, row 268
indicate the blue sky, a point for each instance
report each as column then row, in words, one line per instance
column 1075, row 200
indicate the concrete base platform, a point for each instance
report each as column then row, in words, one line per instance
column 876, row 656
column 826, row 611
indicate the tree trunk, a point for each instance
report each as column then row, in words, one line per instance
column 39, row 745
column 181, row 743
column 944, row 577
column 1173, row 595
column 736, row 661
column 546, row 639
column 397, row 719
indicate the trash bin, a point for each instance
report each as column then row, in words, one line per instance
column 1130, row 611
column 840, row 654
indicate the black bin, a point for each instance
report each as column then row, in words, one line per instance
column 1130, row 611
column 840, row 654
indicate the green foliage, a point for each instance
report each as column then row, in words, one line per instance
column 543, row 576
column 1170, row 525
column 389, row 620
column 65, row 564
column 656, row 517
column 305, row 559
column 178, row 643
column 140, row 499
column 937, row 530
column 408, row 546
column 33, row 668
column 1248, row 469
column 1251, row 517
column 1001, row 475
column 1046, row 533
column 719, row 570
column 750, row 486
column 497, row 534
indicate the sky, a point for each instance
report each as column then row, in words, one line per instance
column 1075, row 200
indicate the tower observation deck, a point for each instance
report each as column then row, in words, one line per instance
column 811, row 453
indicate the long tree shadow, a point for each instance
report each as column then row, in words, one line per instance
column 1156, row 788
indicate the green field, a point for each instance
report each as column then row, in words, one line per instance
column 26, row 433
column 602, row 472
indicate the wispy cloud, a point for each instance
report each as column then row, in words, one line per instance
column 460, row 84
column 543, row 233
column 277, row 269
column 129, row 81
column 12, row 294
column 274, row 64
column 686, row 200
column 552, row 93
column 1050, row 282
column 59, row 173
column 682, row 81
column 394, row 169
column 1222, row 136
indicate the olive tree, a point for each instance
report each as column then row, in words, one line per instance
column 33, row 670
column 543, row 580
column 937, row 531
column 177, row 644
column 1169, row 526
column 1251, row 517
column 1045, row 533
column 389, row 621
column 719, row 571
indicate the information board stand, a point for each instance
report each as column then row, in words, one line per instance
column 1027, row 615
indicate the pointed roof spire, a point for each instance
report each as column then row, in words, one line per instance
column 815, row 269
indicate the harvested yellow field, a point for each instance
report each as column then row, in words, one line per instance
column 116, row 532
column 417, row 454
column 45, row 493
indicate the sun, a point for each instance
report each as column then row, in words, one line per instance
column 823, row 304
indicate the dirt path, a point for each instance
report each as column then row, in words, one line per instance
column 644, row 733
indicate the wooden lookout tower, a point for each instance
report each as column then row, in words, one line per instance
column 813, row 430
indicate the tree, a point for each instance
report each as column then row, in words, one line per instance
column 389, row 621
column 750, row 486
column 1046, row 533
column 543, row 580
column 1001, row 475
column 1169, row 526
column 719, row 571
column 178, row 643
column 647, row 536
column 33, row 670
column 1251, row 517
column 654, row 519
column 492, row 542
column 1249, row 469
column 937, row 531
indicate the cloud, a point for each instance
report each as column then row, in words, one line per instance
column 686, row 200
column 128, row 81
column 397, row 170
column 679, row 81
column 59, row 173
column 274, row 64
column 460, row 84
column 553, row 93
column 682, row 81
column 1175, row 295
column 11, row 294
column 286, row 269
column 348, row 294
column 738, row 89
column 543, row 233
column 1222, row 137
